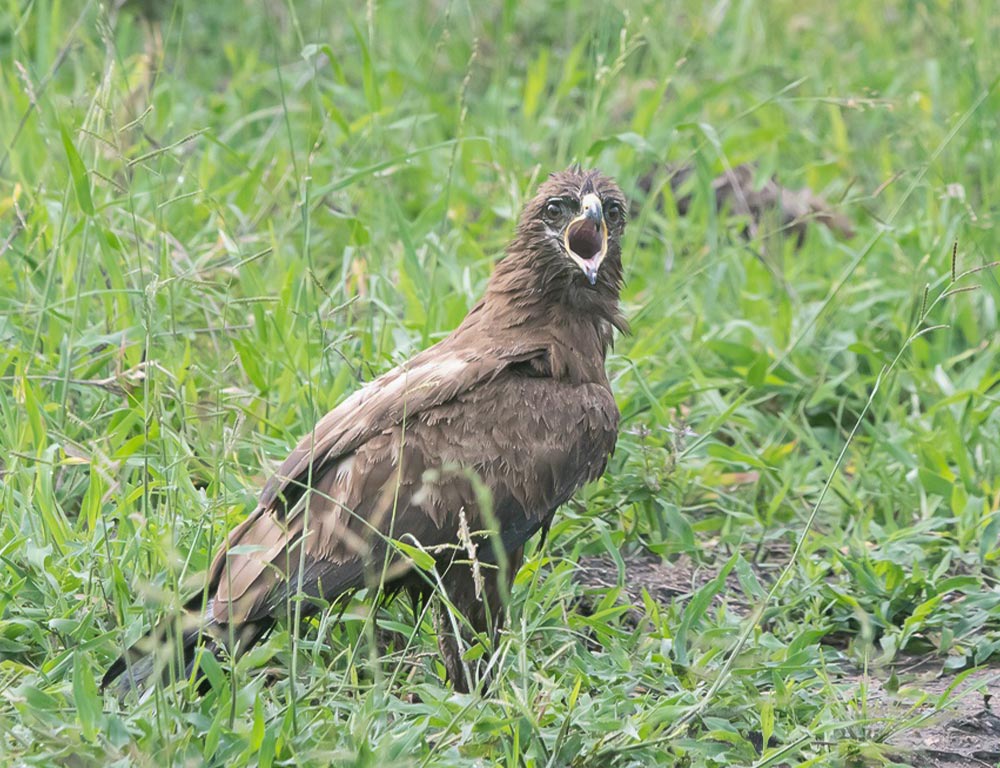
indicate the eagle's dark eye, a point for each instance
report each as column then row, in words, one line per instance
column 553, row 209
column 613, row 213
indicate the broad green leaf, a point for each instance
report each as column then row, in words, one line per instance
column 78, row 172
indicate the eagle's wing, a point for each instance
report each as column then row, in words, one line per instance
column 399, row 461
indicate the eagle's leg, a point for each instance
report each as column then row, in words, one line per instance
column 483, row 608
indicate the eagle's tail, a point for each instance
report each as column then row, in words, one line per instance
column 172, row 651
column 166, row 652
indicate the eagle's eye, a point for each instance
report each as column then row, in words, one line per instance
column 613, row 213
column 553, row 209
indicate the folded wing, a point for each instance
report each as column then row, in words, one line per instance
column 399, row 461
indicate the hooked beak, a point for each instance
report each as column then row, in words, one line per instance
column 586, row 237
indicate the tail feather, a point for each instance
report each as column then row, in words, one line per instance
column 158, row 658
column 170, row 652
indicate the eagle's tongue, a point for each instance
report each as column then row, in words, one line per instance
column 585, row 239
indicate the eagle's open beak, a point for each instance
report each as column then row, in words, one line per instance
column 586, row 237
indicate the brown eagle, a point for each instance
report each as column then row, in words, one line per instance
column 515, row 402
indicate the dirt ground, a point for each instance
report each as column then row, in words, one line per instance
column 966, row 732
column 957, row 730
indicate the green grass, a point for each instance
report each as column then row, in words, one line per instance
column 207, row 242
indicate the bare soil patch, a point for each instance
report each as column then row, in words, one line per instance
column 935, row 721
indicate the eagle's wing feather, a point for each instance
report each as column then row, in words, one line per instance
column 530, row 441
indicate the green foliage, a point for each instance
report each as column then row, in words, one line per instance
column 217, row 219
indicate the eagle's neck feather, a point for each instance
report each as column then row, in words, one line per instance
column 525, row 306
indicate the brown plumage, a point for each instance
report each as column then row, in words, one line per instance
column 515, row 401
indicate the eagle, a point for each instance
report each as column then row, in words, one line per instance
column 455, row 458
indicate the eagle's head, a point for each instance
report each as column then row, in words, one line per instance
column 573, row 228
